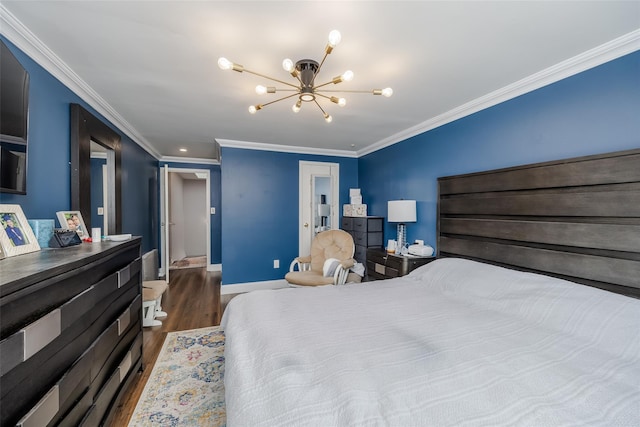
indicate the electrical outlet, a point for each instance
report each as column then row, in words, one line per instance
column 100, row 211
column 276, row 263
column 213, row 211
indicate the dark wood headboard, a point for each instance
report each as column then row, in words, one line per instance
column 577, row 219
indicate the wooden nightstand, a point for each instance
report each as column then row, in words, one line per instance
column 381, row 265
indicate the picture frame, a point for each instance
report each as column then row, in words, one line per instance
column 72, row 220
column 16, row 235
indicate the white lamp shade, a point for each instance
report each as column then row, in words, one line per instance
column 401, row 211
column 324, row 210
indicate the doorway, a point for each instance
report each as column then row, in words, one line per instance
column 185, row 219
column 319, row 200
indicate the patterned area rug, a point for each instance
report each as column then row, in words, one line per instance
column 186, row 385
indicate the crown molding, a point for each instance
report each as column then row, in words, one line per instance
column 285, row 148
column 190, row 160
column 606, row 52
column 26, row 41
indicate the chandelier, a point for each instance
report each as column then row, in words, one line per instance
column 305, row 89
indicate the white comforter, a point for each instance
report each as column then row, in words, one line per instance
column 454, row 343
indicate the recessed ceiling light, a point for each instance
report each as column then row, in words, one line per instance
column 184, row 150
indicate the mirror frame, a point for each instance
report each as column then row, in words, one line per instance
column 84, row 128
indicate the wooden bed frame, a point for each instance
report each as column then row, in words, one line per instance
column 577, row 219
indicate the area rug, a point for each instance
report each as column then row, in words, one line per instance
column 189, row 262
column 186, row 385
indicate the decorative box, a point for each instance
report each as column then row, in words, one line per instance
column 356, row 200
column 354, row 210
column 43, row 230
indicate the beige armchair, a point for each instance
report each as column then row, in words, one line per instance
column 331, row 244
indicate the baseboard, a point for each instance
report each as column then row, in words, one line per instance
column 214, row 267
column 239, row 288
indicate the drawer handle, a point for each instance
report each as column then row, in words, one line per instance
column 44, row 411
column 41, row 332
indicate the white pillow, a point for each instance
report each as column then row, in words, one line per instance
column 329, row 267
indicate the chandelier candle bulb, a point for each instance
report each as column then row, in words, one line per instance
column 287, row 64
column 334, row 38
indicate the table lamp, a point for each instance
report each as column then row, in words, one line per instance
column 401, row 211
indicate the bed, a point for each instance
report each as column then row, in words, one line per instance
column 529, row 316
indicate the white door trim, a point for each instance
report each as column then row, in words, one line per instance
column 306, row 194
column 164, row 237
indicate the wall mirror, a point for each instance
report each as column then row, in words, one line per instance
column 85, row 129
column 322, row 203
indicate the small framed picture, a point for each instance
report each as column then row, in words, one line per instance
column 72, row 220
column 16, row 236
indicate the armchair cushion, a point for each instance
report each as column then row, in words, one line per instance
column 308, row 278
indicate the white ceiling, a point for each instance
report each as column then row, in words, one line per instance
column 151, row 66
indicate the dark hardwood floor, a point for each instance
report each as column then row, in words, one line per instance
column 192, row 301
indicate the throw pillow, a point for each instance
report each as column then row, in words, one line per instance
column 330, row 266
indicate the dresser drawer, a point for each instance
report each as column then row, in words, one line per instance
column 367, row 239
column 347, row 223
column 360, row 254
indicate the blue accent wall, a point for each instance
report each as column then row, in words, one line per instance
column 260, row 210
column 215, row 200
column 596, row 111
column 256, row 192
column 48, row 168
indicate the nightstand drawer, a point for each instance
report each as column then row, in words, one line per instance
column 381, row 265
column 386, row 271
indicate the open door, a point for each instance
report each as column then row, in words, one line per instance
column 185, row 215
column 318, row 187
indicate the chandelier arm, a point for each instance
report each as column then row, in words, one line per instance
column 324, row 84
column 280, row 99
column 321, row 109
column 322, row 95
column 347, row 91
column 270, row 78
column 322, row 62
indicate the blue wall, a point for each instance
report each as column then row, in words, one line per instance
column 215, row 200
column 48, row 169
column 260, row 210
column 593, row 112
column 596, row 111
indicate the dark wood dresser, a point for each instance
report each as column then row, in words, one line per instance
column 71, row 333
column 382, row 265
column 367, row 232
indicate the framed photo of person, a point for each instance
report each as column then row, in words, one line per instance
column 16, row 236
column 72, row 220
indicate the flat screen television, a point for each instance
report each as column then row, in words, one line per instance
column 14, row 122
